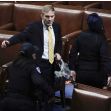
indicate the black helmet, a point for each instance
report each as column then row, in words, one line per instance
column 27, row 49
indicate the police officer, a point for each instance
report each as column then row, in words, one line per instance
column 24, row 77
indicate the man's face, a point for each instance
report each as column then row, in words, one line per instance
column 48, row 18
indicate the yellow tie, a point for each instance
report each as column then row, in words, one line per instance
column 50, row 44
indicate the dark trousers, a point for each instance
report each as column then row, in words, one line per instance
column 17, row 104
column 47, row 71
column 44, row 104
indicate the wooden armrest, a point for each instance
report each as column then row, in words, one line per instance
column 7, row 64
column 71, row 35
column 67, row 41
column 93, row 5
column 109, row 40
column 6, row 26
column 7, row 32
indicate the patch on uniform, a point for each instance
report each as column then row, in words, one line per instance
column 38, row 69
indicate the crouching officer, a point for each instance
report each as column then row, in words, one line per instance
column 24, row 77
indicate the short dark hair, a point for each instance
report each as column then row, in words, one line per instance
column 95, row 23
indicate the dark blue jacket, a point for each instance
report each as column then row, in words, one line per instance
column 33, row 33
